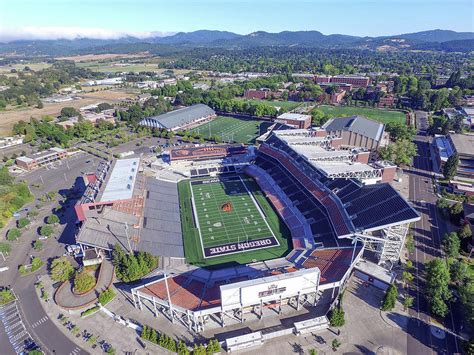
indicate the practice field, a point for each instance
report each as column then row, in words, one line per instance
column 225, row 219
column 233, row 129
column 379, row 115
column 286, row 105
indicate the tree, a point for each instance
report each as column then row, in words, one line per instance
column 407, row 277
column 22, row 222
column 456, row 212
column 37, row 245
column 13, row 234
column 335, row 344
column 199, row 349
column 52, row 219
column 6, row 295
column 407, row 302
column 69, row 112
column 5, row 248
column 83, row 282
column 449, row 169
column 390, row 298
column 451, row 244
column 182, row 348
column 61, row 269
column 437, row 281
column 46, row 231
column 410, row 244
column 337, row 317
column 402, row 152
column 465, row 231
column 459, row 271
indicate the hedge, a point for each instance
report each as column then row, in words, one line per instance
column 90, row 311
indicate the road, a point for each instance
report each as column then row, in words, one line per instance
column 427, row 234
column 61, row 178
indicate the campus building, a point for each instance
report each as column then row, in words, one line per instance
column 33, row 161
column 183, row 118
column 358, row 131
column 446, row 146
column 357, row 81
column 295, row 120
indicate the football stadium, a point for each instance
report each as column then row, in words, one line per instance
column 247, row 232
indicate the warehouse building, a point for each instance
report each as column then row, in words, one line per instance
column 183, row 118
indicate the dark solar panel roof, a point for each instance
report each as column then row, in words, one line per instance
column 375, row 206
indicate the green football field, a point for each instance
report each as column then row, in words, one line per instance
column 380, row 115
column 229, row 220
column 233, row 129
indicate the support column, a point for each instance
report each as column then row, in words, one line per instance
column 189, row 319
column 154, row 307
column 261, row 309
column 298, row 302
column 241, row 314
column 222, row 318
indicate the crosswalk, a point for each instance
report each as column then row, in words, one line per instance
column 75, row 351
column 39, row 322
column 15, row 329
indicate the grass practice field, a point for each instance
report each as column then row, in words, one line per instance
column 227, row 219
column 287, row 105
column 231, row 128
column 379, row 115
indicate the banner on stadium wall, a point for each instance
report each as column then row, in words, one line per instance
column 266, row 289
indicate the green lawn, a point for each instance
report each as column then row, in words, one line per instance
column 380, row 115
column 287, row 105
column 243, row 223
column 233, row 129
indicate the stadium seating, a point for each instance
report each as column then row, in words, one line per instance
column 334, row 208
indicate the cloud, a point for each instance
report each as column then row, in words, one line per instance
column 44, row 33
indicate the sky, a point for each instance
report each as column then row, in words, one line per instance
column 50, row 19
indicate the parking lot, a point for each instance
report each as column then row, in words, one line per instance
column 15, row 329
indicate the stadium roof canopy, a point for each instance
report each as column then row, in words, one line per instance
column 178, row 118
column 161, row 232
column 373, row 207
column 356, row 124
column 121, row 182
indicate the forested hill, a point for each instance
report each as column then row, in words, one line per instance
column 435, row 40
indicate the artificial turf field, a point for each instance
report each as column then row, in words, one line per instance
column 238, row 130
column 250, row 231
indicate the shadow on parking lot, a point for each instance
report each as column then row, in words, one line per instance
column 66, row 213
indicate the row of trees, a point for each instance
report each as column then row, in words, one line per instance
column 167, row 342
column 46, row 133
column 134, row 265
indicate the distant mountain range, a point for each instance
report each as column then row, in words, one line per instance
column 437, row 40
